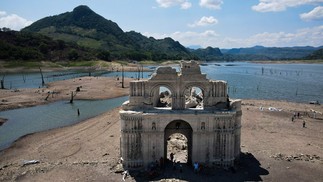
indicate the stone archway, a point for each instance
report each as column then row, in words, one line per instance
column 194, row 97
column 162, row 96
column 181, row 127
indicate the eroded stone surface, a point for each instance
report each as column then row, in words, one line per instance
column 196, row 107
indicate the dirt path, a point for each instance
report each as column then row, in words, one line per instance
column 274, row 149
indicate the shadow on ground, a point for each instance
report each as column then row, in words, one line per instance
column 247, row 169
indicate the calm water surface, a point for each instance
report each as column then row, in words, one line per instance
column 54, row 115
column 292, row 82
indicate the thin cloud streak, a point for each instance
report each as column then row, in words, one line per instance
column 184, row 4
column 315, row 14
column 281, row 5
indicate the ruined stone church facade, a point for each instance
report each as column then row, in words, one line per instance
column 210, row 121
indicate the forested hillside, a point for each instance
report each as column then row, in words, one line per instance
column 32, row 46
column 85, row 28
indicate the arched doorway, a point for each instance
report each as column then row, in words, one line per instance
column 178, row 133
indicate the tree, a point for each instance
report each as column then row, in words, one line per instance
column 43, row 48
column 5, row 29
column 73, row 55
column 104, row 55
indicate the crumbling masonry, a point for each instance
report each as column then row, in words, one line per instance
column 209, row 120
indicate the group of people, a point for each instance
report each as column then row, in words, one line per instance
column 196, row 165
column 298, row 116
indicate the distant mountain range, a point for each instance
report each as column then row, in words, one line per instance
column 87, row 35
column 270, row 53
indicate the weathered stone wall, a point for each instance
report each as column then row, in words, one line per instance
column 213, row 132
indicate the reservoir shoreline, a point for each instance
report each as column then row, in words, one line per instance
column 89, row 150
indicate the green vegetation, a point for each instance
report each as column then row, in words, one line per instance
column 79, row 64
column 87, row 29
column 81, row 37
column 15, row 64
column 36, row 47
column 209, row 54
column 316, row 55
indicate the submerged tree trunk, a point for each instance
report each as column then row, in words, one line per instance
column 72, row 97
column 42, row 77
column 138, row 68
column 122, row 84
column 142, row 72
column 2, row 82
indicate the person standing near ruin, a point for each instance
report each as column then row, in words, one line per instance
column 304, row 124
column 196, row 167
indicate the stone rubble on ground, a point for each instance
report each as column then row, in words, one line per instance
column 299, row 157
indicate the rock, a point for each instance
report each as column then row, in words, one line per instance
column 29, row 162
column 118, row 168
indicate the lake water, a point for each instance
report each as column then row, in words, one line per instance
column 54, row 115
column 292, row 82
column 33, row 80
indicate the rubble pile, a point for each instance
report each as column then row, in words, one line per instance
column 299, row 157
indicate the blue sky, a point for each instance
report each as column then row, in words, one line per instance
column 216, row 23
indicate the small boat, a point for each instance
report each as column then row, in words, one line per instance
column 315, row 102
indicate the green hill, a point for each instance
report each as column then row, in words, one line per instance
column 32, row 46
column 316, row 55
column 88, row 29
column 208, row 54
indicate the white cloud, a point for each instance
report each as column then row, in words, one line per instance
column 169, row 3
column 212, row 4
column 281, row 5
column 302, row 37
column 2, row 13
column 204, row 21
column 315, row 14
column 13, row 21
column 186, row 5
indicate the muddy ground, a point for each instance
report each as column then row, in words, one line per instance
column 274, row 148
